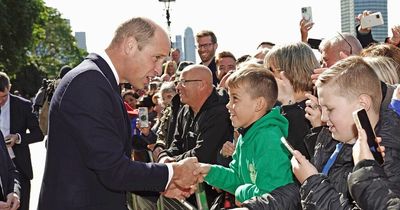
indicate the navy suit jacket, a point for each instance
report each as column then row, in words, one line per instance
column 88, row 162
column 21, row 119
column 9, row 175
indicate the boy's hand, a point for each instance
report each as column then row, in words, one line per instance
column 361, row 150
column 301, row 167
column 313, row 110
column 202, row 171
column 227, row 149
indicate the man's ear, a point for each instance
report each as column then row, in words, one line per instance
column 130, row 45
column 365, row 101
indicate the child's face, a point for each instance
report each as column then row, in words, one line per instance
column 337, row 113
column 242, row 107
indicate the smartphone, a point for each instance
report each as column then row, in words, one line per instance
column 306, row 14
column 287, row 145
column 362, row 121
column 372, row 20
column 143, row 117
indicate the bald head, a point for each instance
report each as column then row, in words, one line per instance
column 201, row 72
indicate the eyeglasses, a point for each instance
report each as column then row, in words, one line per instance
column 184, row 81
column 351, row 48
column 208, row 45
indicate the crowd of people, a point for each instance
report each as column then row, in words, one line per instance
column 212, row 137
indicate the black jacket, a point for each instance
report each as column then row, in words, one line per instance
column 370, row 187
column 202, row 136
column 299, row 126
column 328, row 192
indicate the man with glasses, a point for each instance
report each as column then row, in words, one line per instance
column 206, row 47
column 203, row 124
column 15, row 119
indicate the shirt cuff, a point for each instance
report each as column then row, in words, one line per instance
column 170, row 174
column 19, row 139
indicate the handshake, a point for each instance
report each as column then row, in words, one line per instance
column 187, row 173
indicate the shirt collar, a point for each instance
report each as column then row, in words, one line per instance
column 104, row 55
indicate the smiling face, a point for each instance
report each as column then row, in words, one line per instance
column 337, row 113
column 241, row 107
column 206, row 48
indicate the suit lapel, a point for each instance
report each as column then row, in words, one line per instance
column 107, row 72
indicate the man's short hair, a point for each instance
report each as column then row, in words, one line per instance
column 352, row 77
column 224, row 54
column 257, row 80
column 4, row 81
column 204, row 33
column 139, row 28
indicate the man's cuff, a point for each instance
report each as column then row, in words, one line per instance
column 19, row 139
column 170, row 174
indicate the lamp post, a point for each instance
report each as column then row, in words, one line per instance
column 167, row 14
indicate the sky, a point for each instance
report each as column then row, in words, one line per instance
column 239, row 25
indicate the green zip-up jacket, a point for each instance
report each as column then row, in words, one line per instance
column 260, row 164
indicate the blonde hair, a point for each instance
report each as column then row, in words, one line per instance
column 257, row 80
column 386, row 68
column 166, row 67
column 352, row 77
column 297, row 60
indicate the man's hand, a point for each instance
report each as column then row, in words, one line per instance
column 173, row 191
column 361, row 150
column 184, row 173
column 301, row 167
column 11, row 139
column 12, row 202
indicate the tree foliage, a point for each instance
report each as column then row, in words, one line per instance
column 35, row 42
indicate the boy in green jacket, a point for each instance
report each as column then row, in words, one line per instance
column 260, row 162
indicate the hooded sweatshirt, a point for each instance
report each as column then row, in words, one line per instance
column 260, row 164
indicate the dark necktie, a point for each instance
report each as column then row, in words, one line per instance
column 332, row 159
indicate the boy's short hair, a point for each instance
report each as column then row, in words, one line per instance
column 257, row 80
column 352, row 77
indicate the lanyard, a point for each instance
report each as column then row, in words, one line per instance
column 332, row 159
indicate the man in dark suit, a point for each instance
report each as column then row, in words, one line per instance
column 88, row 163
column 15, row 119
column 9, row 184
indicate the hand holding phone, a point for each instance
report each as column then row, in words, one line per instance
column 306, row 14
column 362, row 121
column 371, row 20
column 287, row 145
column 143, row 117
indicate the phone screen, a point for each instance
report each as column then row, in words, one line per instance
column 143, row 117
column 362, row 121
